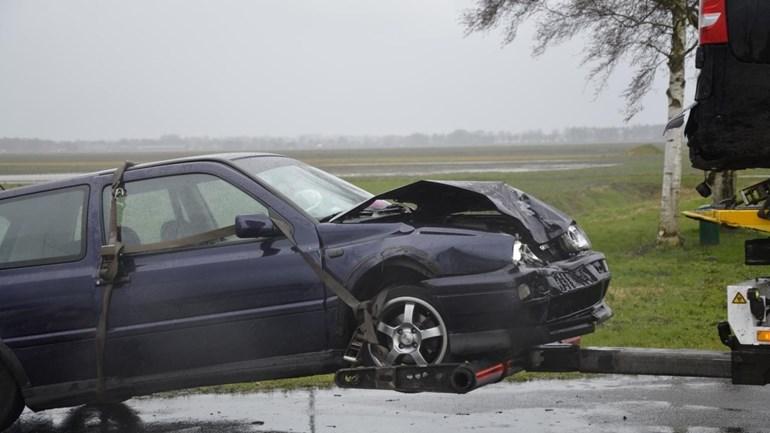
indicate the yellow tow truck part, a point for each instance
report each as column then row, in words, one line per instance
column 744, row 218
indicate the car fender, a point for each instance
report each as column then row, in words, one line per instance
column 401, row 256
column 12, row 363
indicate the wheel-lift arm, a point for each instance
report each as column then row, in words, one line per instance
column 744, row 365
column 457, row 378
column 630, row 360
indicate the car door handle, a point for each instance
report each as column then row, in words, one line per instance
column 119, row 281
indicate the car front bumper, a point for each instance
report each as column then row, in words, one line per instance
column 514, row 308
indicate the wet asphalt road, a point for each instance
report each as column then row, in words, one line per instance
column 606, row 404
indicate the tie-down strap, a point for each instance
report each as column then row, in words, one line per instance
column 366, row 312
column 109, row 268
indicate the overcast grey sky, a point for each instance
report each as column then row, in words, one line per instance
column 142, row 68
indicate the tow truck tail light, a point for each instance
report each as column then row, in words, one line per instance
column 763, row 336
column 713, row 22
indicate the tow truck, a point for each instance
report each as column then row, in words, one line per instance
column 726, row 130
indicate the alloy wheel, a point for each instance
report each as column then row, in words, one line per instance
column 411, row 332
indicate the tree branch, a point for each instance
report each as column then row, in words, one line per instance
column 638, row 32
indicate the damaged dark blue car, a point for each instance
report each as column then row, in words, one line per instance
column 238, row 267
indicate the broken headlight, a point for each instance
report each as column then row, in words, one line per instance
column 575, row 239
column 522, row 254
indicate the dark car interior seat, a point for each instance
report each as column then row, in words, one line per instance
column 129, row 236
column 171, row 230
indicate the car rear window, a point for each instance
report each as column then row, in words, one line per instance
column 42, row 228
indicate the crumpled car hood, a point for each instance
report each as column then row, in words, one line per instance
column 441, row 198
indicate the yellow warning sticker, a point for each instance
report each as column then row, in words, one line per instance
column 739, row 299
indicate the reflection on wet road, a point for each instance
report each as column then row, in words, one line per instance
column 607, row 404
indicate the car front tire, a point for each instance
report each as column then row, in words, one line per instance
column 411, row 331
column 11, row 401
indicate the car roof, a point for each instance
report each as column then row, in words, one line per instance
column 85, row 178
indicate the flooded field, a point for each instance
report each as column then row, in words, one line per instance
column 439, row 168
column 383, row 170
column 397, row 162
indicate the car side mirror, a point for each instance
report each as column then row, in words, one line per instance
column 254, row 226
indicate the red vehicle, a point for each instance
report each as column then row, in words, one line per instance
column 729, row 125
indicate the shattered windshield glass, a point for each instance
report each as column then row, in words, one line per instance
column 318, row 193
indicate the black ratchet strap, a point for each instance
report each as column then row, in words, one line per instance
column 366, row 312
column 108, row 271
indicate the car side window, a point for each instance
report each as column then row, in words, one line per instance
column 174, row 207
column 4, row 224
column 147, row 207
column 226, row 201
column 42, row 228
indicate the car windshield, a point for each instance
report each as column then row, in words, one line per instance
column 318, row 193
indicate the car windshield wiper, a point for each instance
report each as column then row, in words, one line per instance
column 328, row 218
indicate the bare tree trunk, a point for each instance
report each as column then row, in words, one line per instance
column 723, row 189
column 668, row 229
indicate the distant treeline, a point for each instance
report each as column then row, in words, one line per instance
column 458, row 138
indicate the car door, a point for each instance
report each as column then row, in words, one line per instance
column 227, row 301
